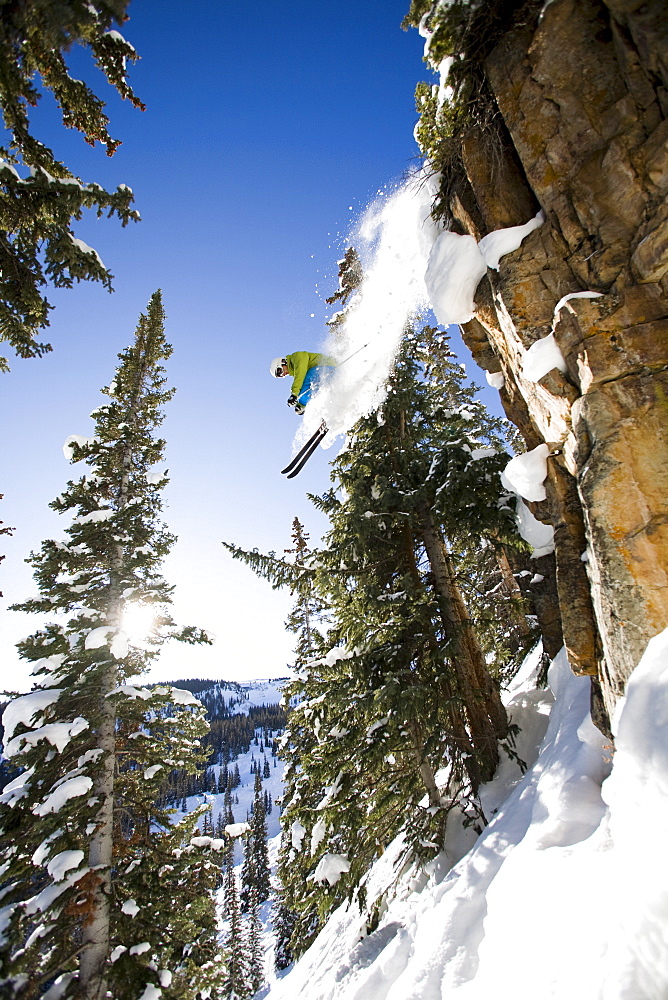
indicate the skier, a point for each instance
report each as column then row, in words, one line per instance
column 307, row 370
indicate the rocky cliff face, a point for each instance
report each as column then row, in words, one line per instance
column 583, row 91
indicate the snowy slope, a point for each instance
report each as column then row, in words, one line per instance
column 239, row 698
column 236, row 696
column 563, row 896
column 245, row 791
column 261, row 692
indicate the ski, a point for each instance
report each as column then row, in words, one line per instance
column 305, row 457
column 301, row 458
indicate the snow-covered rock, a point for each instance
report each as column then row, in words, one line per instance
column 526, row 473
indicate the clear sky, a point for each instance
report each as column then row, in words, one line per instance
column 268, row 129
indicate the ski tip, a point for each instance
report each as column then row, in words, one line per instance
column 300, row 460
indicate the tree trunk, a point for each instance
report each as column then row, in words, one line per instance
column 97, row 924
column 96, row 929
column 513, row 589
column 486, row 715
column 424, row 767
column 484, row 711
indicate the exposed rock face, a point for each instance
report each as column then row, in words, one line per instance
column 584, row 96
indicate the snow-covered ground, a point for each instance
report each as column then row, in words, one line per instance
column 563, row 896
column 240, row 698
column 260, row 692
column 252, row 693
column 245, row 791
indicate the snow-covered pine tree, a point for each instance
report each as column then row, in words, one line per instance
column 486, row 561
column 165, row 876
column 262, row 882
column 406, row 689
column 255, row 871
column 305, row 621
column 91, row 863
column 236, row 974
column 350, row 278
column 247, row 872
column 255, row 951
column 306, row 614
column 283, row 919
column 37, row 210
column 283, row 928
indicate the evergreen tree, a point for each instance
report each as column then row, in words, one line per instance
column 404, row 692
column 4, row 530
column 297, row 573
column 222, row 779
column 92, row 862
column 227, row 818
column 283, row 927
column 247, row 871
column 158, row 864
column 307, row 612
column 236, row 974
column 254, row 948
column 37, row 244
column 350, row 278
column 283, row 923
column 255, row 872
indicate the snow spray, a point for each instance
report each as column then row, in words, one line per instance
column 393, row 239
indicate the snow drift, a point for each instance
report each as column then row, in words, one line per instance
column 562, row 896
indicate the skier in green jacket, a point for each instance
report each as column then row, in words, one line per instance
column 308, row 371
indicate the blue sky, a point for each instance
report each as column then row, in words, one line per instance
column 268, row 129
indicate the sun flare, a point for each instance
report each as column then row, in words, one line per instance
column 139, row 622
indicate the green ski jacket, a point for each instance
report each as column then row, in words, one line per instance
column 300, row 362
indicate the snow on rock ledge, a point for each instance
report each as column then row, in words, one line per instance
column 457, row 263
column 541, row 358
column 525, row 474
column 538, row 534
column 453, row 273
column 496, row 245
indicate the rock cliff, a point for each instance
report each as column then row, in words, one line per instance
column 582, row 88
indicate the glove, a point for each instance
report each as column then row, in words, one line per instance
column 292, row 400
column 299, row 409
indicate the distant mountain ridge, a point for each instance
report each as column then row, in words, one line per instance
column 223, row 698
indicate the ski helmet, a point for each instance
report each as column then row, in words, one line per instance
column 275, row 365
